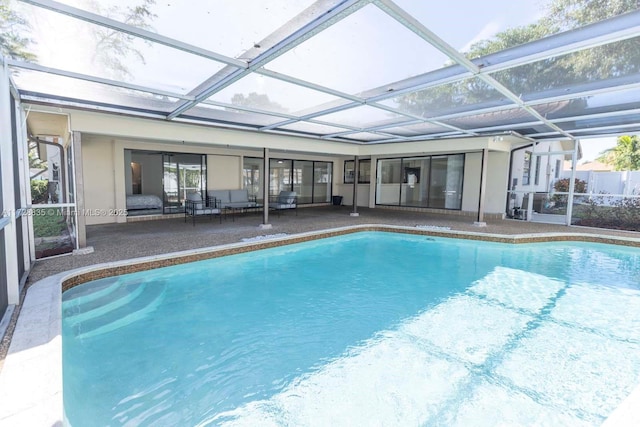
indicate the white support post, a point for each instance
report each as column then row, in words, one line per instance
column 7, row 178
column 572, row 181
column 533, row 161
column 356, row 173
column 265, row 190
column 25, row 188
column 483, row 188
column 78, row 171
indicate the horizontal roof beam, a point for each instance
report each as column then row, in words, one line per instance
column 55, row 71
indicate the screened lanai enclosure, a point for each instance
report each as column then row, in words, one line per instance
column 354, row 71
column 385, row 96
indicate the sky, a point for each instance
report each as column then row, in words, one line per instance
column 592, row 147
column 367, row 49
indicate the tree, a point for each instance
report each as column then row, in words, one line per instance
column 14, row 43
column 602, row 62
column 257, row 100
column 113, row 47
column 625, row 155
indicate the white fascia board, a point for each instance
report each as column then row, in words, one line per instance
column 146, row 129
column 418, row 148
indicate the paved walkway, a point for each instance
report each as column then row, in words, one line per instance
column 114, row 242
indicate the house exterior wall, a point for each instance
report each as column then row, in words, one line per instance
column 497, row 180
column 547, row 169
column 108, row 136
column 107, row 178
column 99, row 184
column 224, row 172
column 497, row 176
column 471, row 183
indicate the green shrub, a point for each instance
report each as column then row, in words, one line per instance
column 39, row 192
column 562, row 186
column 627, row 212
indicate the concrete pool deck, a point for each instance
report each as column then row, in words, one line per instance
column 31, row 377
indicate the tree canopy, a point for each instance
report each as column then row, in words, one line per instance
column 625, row 155
column 13, row 29
column 257, row 100
column 601, row 62
column 115, row 48
column 112, row 48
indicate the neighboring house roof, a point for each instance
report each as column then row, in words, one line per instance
column 590, row 166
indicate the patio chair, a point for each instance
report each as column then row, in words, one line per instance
column 284, row 200
column 195, row 205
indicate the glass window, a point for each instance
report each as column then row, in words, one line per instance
column 183, row 174
column 455, row 175
column 364, row 172
column 251, row 176
column 433, row 182
column 526, row 168
column 389, row 179
column 415, row 182
column 558, row 168
column 322, row 182
column 438, row 182
column 309, row 179
column 279, row 176
column 303, row 180
column 349, row 171
column 537, row 179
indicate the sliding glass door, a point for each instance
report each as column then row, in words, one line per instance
column 310, row 180
column 429, row 182
column 182, row 174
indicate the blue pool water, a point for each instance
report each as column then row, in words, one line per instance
column 363, row 329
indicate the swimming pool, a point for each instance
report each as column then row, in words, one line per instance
column 370, row 327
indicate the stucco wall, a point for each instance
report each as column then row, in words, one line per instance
column 151, row 173
column 471, row 184
column 224, row 172
column 98, row 166
column 497, row 179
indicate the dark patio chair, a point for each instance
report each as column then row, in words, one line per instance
column 195, row 205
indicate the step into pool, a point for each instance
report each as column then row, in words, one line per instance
column 370, row 328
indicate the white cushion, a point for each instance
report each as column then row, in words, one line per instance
column 194, row 197
column 236, row 196
column 222, row 195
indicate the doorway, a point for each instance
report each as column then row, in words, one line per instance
column 182, row 174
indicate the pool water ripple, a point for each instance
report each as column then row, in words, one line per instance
column 369, row 328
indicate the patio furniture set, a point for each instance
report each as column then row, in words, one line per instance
column 234, row 202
